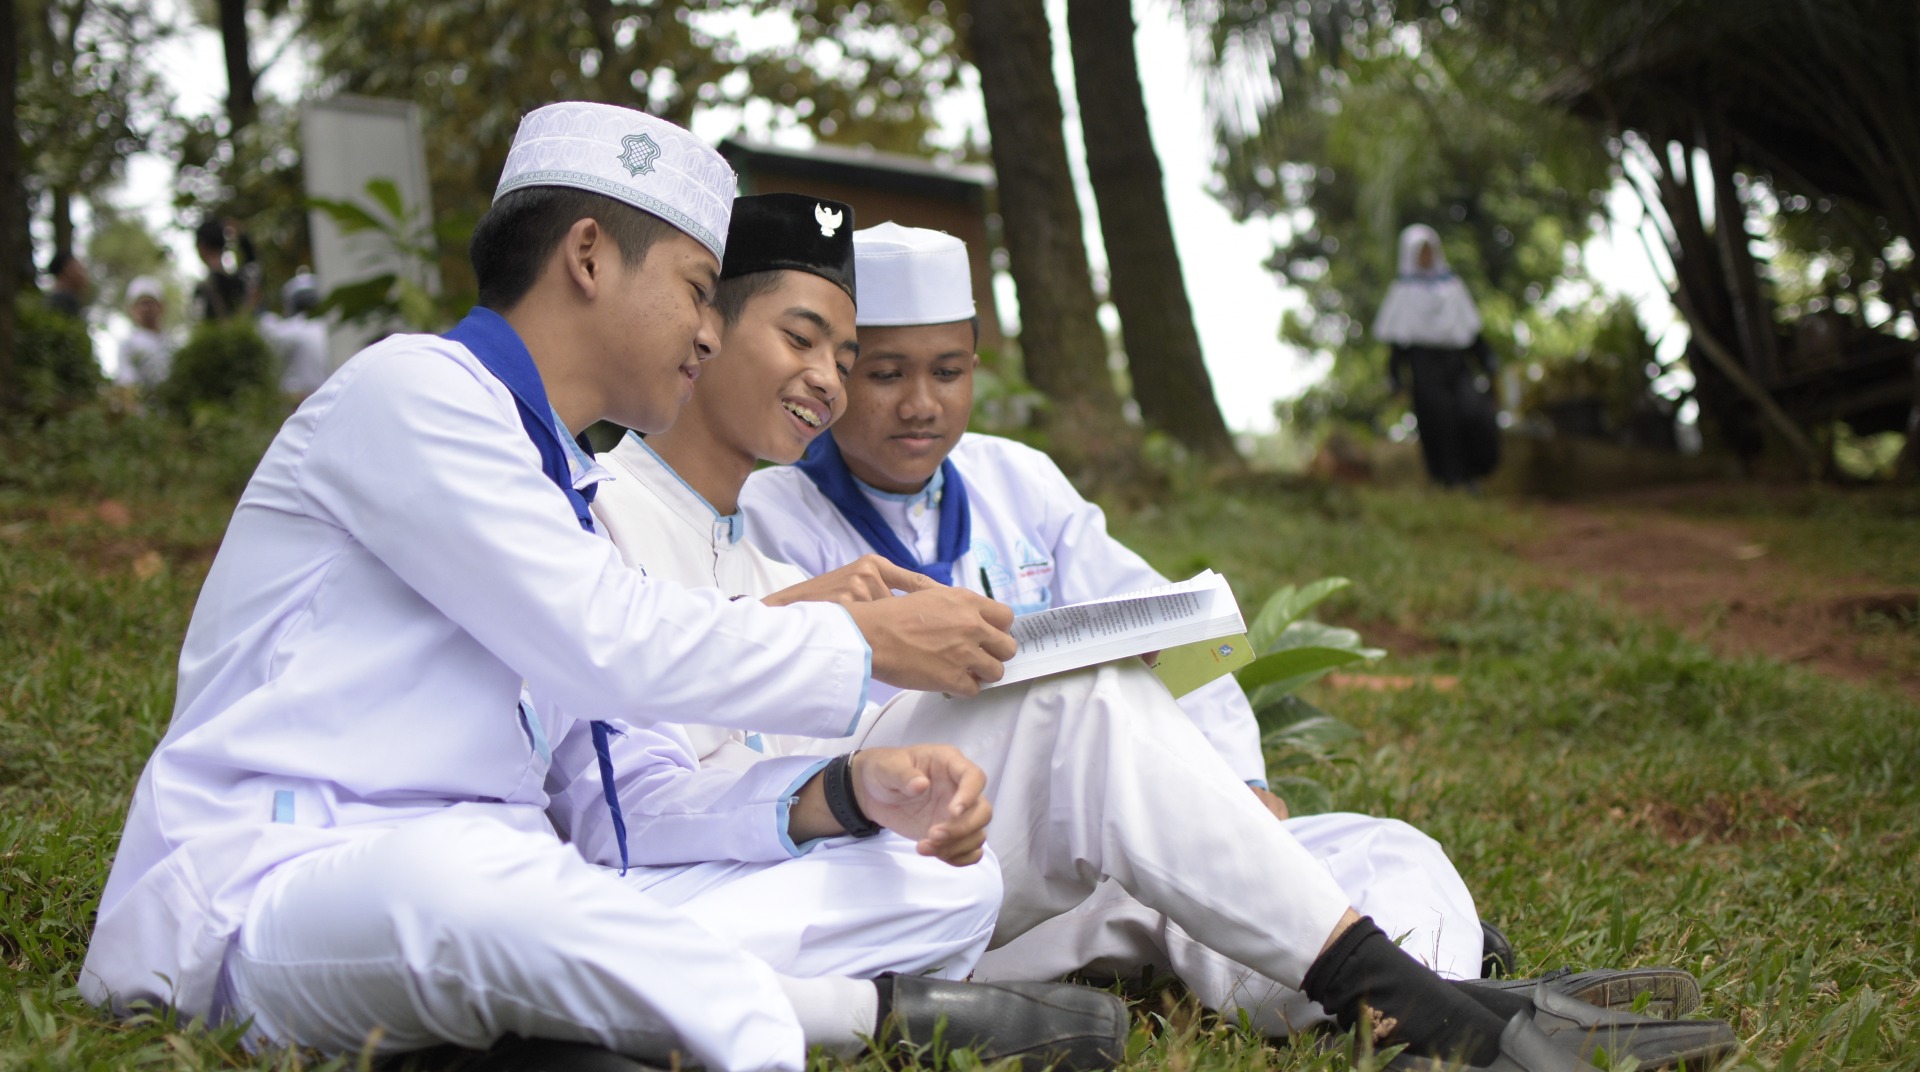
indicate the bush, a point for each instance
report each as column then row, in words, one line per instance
column 222, row 361
column 54, row 358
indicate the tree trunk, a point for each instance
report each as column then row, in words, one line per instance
column 1170, row 379
column 233, row 36
column 1064, row 350
column 13, row 224
column 62, row 222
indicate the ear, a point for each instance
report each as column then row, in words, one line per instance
column 584, row 254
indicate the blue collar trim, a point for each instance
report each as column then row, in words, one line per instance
column 828, row 471
column 735, row 523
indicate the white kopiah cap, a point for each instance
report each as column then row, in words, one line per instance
column 629, row 156
column 910, row 275
column 145, row 286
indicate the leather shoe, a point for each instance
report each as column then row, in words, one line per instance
column 1589, row 1031
column 1072, row 1028
column 1671, row 993
column 1496, row 951
column 1523, row 1048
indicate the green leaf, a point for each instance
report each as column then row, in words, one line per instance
column 1287, row 605
column 1294, row 662
column 1319, row 734
column 387, row 193
column 354, row 301
column 1310, row 634
column 1276, row 711
column 1304, row 796
column 349, row 217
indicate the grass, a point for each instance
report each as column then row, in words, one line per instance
column 1614, row 794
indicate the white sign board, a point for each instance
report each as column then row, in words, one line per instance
column 345, row 143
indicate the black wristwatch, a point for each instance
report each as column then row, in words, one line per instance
column 837, row 781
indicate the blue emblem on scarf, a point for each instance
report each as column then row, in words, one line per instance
column 499, row 348
column 828, row 471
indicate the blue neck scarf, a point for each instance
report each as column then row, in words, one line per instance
column 491, row 339
column 828, row 471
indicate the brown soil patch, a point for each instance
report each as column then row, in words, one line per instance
column 1719, row 584
column 1723, row 818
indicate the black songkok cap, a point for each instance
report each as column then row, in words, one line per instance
column 791, row 232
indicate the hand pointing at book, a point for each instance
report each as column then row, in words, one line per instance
column 863, row 580
column 939, row 639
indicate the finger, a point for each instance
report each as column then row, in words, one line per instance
column 997, row 614
column 969, row 782
column 960, row 851
column 1000, row 645
column 986, row 669
column 964, row 684
column 903, row 580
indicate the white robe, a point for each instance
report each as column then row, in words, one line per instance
column 1071, row 835
column 145, row 359
column 397, row 569
column 1036, row 540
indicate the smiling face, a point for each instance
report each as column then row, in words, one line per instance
column 655, row 324
column 780, row 377
column 907, row 403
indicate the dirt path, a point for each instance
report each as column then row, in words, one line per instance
column 1718, row 583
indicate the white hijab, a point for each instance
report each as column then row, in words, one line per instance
column 1430, row 307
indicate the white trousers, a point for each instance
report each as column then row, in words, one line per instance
column 1124, row 838
column 461, row 928
column 1390, row 870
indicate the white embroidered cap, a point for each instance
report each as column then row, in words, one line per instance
column 145, row 286
column 910, row 275
column 629, row 156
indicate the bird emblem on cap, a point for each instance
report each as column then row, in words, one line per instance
column 828, row 218
column 640, row 153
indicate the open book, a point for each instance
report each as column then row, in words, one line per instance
column 1192, row 611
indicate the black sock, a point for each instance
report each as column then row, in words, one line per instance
column 1502, row 1003
column 1411, row 1005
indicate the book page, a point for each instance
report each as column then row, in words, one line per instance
column 1130, row 623
column 1082, row 623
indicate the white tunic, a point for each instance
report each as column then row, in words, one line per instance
column 666, row 529
column 145, row 358
column 1036, row 542
column 301, row 343
column 396, row 570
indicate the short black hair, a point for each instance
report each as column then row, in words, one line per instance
column 730, row 298
column 211, row 234
column 513, row 240
column 59, row 262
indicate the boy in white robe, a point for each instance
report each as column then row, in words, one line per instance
column 1086, row 769
column 347, row 835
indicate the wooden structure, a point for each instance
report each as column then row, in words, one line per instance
column 907, row 190
column 1765, row 94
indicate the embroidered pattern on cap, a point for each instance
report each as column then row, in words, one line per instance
column 641, row 152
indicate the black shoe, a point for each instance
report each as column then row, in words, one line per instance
column 1671, row 993
column 1073, row 1028
column 1591, row 1031
column 1496, row 952
column 1523, row 1048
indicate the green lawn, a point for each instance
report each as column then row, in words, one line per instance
column 1614, row 794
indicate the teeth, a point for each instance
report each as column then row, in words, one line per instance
column 811, row 418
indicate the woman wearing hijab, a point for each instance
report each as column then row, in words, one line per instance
column 1430, row 321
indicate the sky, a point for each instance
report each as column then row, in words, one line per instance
column 1237, row 302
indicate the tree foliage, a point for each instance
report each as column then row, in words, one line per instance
column 849, row 72
column 1345, row 122
column 88, row 99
